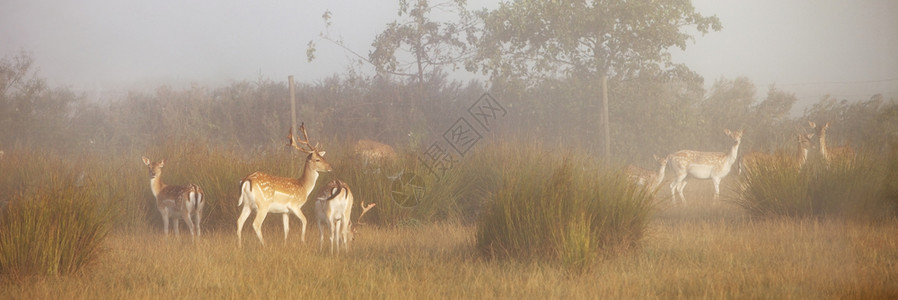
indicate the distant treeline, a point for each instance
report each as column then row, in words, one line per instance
column 649, row 114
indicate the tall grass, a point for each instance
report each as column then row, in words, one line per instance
column 455, row 194
column 890, row 186
column 567, row 210
column 53, row 220
column 841, row 188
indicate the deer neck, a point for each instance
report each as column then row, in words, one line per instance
column 308, row 178
column 156, row 184
column 823, row 144
column 660, row 175
column 731, row 158
column 802, row 156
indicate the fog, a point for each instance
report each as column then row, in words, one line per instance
column 813, row 48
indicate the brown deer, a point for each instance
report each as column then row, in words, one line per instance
column 173, row 201
column 754, row 159
column 843, row 153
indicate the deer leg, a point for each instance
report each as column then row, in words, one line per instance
column 296, row 210
column 680, row 191
column 333, row 226
column 286, row 218
column 261, row 213
column 177, row 226
column 199, row 214
column 716, row 181
column 320, row 235
column 240, row 220
column 185, row 214
column 165, row 220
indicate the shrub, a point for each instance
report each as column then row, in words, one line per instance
column 840, row 188
column 52, row 231
column 567, row 211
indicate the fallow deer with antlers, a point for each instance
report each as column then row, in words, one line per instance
column 264, row 193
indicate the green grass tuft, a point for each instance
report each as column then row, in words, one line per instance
column 52, row 232
column 568, row 211
column 852, row 188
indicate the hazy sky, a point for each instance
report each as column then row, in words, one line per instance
column 845, row 48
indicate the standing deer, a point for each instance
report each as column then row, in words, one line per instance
column 175, row 201
column 702, row 165
column 754, row 159
column 649, row 179
column 830, row 153
column 334, row 207
column 265, row 193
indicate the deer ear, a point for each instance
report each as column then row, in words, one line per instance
column 162, row 163
column 321, row 153
column 146, row 161
column 812, row 124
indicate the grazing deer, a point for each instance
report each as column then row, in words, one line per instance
column 265, row 193
column 374, row 155
column 174, row 200
column 647, row 178
column 830, row 153
column 334, row 207
column 354, row 226
column 702, row 165
column 373, row 152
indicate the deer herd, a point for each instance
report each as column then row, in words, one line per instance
column 263, row 193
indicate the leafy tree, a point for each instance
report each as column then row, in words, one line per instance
column 418, row 45
column 430, row 44
column 770, row 123
column 30, row 111
column 593, row 39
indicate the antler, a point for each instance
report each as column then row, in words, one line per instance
column 365, row 209
column 292, row 140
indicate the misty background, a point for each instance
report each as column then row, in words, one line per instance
column 846, row 49
column 129, row 74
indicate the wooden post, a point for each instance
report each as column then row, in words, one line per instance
column 292, row 101
column 605, row 117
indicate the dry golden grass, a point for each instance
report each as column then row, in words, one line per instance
column 701, row 250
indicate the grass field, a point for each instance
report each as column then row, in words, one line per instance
column 698, row 250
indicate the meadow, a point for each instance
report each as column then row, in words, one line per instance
column 695, row 251
column 701, row 249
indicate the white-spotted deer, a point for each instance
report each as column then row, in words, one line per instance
column 176, row 201
column 648, row 178
column 702, row 165
column 333, row 208
column 843, row 153
column 265, row 193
